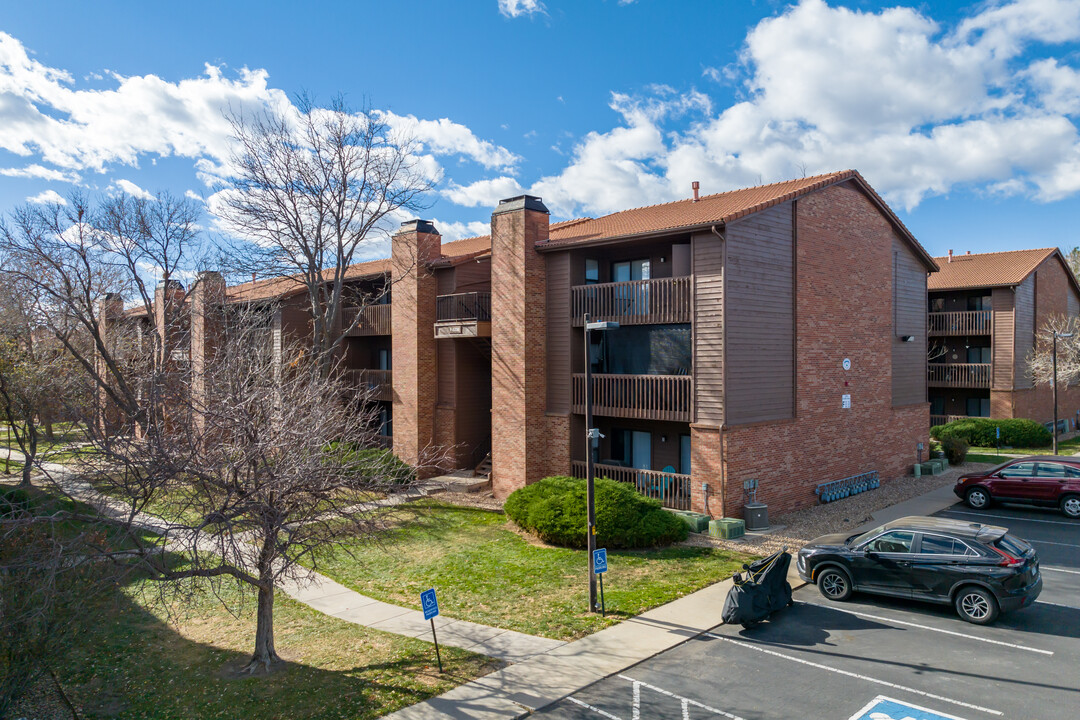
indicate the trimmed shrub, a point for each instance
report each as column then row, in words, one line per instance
column 554, row 510
column 956, row 450
column 374, row 462
column 981, row 432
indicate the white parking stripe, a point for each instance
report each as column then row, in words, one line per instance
column 934, row 629
column 686, row 701
column 1047, row 602
column 1061, row 570
column 1017, row 519
column 857, row 676
column 1047, row 542
column 594, row 709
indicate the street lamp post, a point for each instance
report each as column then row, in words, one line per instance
column 1056, row 336
column 591, row 434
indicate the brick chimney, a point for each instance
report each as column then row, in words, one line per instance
column 522, row 439
column 413, row 356
column 950, row 256
column 207, row 316
column 110, row 315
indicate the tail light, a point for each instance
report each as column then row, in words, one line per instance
column 1007, row 560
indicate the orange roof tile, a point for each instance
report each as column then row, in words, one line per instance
column 284, row 286
column 996, row 269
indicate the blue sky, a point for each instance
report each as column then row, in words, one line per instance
column 963, row 115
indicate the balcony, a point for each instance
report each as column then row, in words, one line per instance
column 379, row 384
column 637, row 302
column 959, row 375
column 965, row 322
column 644, row 397
column 671, row 489
column 936, row 420
column 463, row 315
column 374, row 320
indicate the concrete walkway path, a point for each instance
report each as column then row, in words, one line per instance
column 329, row 597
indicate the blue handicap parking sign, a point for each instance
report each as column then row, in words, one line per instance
column 883, row 708
column 599, row 560
column 429, row 603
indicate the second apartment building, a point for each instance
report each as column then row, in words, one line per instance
column 774, row 334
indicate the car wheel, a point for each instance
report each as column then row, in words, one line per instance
column 834, row 584
column 977, row 498
column 976, row 605
column 1070, row 505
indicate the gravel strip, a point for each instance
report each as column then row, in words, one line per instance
column 799, row 528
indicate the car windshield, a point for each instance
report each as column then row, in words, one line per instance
column 857, row 539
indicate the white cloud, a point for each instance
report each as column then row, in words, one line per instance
column 919, row 109
column 483, row 193
column 132, row 189
column 458, row 230
column 39, row 171
column 517, row 8
column 47, row 197
column 444, row 137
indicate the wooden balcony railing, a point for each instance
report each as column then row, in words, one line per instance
column 374, row 320
column 638, row 302
column 671, row 489
column 959, row 375
column 463, row 306
column 936, row 420
column 647, row 397
column 378, row 383
column 962, row 322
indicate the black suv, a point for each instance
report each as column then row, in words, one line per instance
column 980, row 570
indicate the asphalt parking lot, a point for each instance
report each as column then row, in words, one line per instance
column 874, row 658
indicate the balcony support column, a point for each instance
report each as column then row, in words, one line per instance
column 708, row 486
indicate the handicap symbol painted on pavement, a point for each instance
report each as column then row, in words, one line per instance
column 430, row 604
column 884, row 708
column 599, row 560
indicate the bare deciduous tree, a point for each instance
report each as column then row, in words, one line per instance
column 1041, row 357
column 315, row 191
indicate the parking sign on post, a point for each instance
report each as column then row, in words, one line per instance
column 599, row 559
column 430, row 604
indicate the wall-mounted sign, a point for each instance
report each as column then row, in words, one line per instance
column 847, row 364
column 845, row 401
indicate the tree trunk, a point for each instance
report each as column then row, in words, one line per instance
column 265, row 655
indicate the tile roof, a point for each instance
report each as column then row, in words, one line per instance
column 284, row 286
column 997, row 269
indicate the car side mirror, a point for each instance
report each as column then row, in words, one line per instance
column 872, row 554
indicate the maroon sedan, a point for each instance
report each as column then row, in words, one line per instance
column 1050, row 481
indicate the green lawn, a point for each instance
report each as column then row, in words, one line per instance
column 136, row 662
column 486, row 572
column 1065, row 447
column 980, row 457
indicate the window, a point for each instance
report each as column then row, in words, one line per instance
column 978, row 407
column 981, row 302
column 1057, row 470
column 648, row 350
column 630, row 270
column 384, row 359
column 684, row 454
column 937, row 405
column 592, row 271
column 1024, row 469
column 892, row 542
column 938, row 545
column 937, row 304
column 386, row 422
column 978, row 355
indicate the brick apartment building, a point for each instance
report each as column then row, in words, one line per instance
column 984, row 312
column 775, row 333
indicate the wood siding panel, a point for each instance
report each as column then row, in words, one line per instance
column 472, row 276
column 760, row 319
column 445, row 363
column 1025, row 330
column 708, row 266
column 909, row 318
column 1004, row 344
column 473, row 402
column 1073, row 306
column 558, row 332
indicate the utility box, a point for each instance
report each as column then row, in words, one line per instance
column 756, row 516
column 727, row 528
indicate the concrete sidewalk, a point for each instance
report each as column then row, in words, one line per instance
column 332, row 598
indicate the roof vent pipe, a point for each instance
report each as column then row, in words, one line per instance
column 950, row 256
column 696, row 185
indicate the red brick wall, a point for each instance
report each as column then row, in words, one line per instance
column 520, row 442
column 844, row 306
column 412, row 322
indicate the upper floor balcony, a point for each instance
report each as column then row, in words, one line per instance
column 959, row 375
column 645, row 397
column 635, row 302
column 374, row 320
column 378, row 384
column 463, row 315
column 959, row 322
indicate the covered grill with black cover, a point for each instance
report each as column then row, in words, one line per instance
column 762, row 591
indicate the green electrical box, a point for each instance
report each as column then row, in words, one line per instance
column 727, row 528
